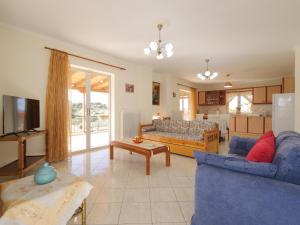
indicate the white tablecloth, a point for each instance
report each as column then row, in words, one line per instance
column 26, row 203
column 221, row 119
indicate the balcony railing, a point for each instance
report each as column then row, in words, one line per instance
column 97, row 124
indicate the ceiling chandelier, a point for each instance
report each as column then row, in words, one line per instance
column 207, row 74
column 162, row 49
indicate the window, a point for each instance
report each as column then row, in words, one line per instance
column 239, row 100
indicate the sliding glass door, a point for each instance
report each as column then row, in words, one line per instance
column 90, row 110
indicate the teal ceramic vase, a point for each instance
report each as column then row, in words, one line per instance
column 45, row 174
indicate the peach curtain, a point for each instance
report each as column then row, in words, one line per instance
column 57, row 106
column 193, row 103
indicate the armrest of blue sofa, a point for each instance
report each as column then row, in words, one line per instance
column 243, row 199
column 241, row 146
column 236, row 164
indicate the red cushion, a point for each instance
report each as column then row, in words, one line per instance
column 266, row 135
column 263, row 150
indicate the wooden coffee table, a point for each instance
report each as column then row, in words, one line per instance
column 147, row 148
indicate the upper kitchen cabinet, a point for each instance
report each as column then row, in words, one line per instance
column 212, row 97
column 201, row 98
column 288, row 85
column 272, row 90
column 259, row 95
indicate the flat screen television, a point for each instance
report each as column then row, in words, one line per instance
column 20, row 114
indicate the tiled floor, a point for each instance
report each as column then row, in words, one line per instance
column 123, row 194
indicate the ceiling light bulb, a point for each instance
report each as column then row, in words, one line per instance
column 200, row 76
column 147, row 51
column 214, row 75
column 153, row 45
column 169, row 47
column 169, row 54
column 207, row 73
column 160, row 56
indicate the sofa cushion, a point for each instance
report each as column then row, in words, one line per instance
column 183, row 126
column 173, row 128
column 287, row 157
column 267, row 135
column 241, row 146
column 197, row 127
column 162, row 125
column 263, row 150
column 157, row 124
column 148, row 129
column 176, row 135
column 236, row 164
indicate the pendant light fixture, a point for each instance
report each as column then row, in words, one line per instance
column 207, row 74
column 228, row 84
column 162, row 49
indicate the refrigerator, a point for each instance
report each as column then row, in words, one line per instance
column 283, row 110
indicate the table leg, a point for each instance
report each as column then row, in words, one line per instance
column 168, row 157
column 147, row 164
column 111, row 152
column 83, row 205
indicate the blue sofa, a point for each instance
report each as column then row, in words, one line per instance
column 233, row 191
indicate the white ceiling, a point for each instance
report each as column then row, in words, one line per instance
column 250, row 39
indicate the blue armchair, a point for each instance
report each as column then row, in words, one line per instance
column 233, row 191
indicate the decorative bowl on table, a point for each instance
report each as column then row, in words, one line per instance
column 45, row 174
column 137, row 140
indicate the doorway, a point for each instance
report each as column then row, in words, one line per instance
column 90, row 110
column 185, row 104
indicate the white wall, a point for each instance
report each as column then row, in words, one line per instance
column 24, row 71
column 297, row 89
column 168, row 84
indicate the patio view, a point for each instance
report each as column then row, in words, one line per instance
column 90, row 111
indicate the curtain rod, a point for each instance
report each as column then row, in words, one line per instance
column 185, row 85
column 81, row 57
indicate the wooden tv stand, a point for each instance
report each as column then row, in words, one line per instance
column 24, row 162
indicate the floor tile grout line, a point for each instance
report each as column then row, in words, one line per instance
column 124, row 192
column 178, row 203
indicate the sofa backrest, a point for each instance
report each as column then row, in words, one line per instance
column 287, row 157
column 199, row 126
column 161, row 125
column 194, row 127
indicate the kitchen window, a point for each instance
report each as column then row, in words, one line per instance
column 239, row 101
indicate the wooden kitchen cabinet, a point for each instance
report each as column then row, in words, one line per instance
column 255, row 125
column 268, row 123
column 241, row 124
column 215, row 97
column 212, row 97
column 288, row 85
column 231, row 124
column 259, row 95
column 201, row 98
column 272, row 90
